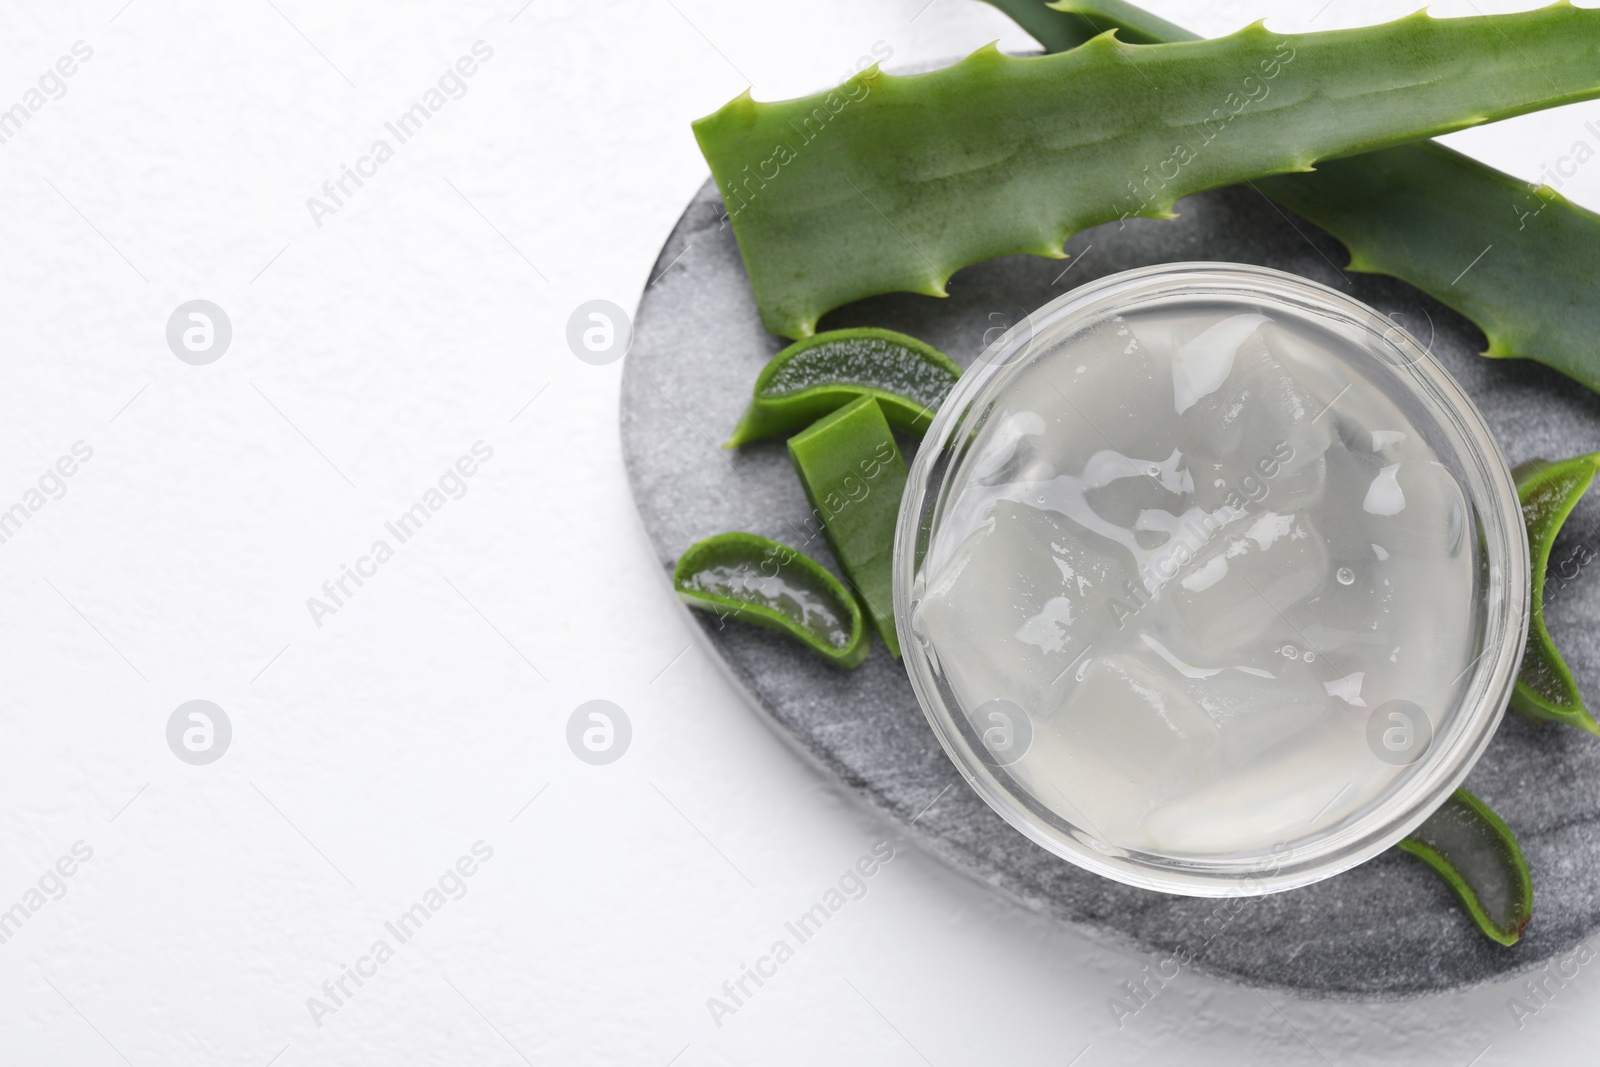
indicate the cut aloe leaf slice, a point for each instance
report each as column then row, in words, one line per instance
column 1473, row 850
column 1548, row 491
column 747, row 577
column 854, row 477
column 824, row 372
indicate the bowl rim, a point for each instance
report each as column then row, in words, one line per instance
column 1485, row 480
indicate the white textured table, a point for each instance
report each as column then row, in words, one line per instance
column 420, row 732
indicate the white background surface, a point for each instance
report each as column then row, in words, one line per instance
column 370, row 753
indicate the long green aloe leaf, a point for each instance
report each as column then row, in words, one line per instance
column 1067, row 24
column 1519, row 263
column 893, row 183
column 1524, row 269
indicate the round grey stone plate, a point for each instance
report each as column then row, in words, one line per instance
column 1386, row 929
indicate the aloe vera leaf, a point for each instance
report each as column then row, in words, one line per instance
column 854, row 477
column 1545, row 688
column 1524, row 270
column 1074, row 23
column 1473, row 850
column 770, row 584
column 1533, row 255
column 826, row 371
column 892, row 183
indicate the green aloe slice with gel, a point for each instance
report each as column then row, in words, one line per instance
column 826, row 371
column 1549, row 491
column 894, row 183
column 770, row 584
column 1523, row 271
column 1473, row 850
column 854, row 477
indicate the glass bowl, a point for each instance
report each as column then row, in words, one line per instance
column 1046, row 476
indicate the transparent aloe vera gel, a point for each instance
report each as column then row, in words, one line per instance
column 1212, row 579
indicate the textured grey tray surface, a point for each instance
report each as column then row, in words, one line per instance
column 1386, row 929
